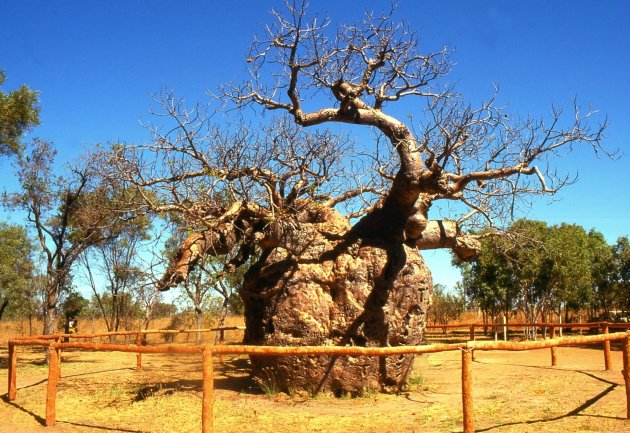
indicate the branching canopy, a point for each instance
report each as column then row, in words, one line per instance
column 243, row 187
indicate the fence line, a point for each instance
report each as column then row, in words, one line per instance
column 548, row 325
column 207, row 352
column 123, row 333
column 620, row 325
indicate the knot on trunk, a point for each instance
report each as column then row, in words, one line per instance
column 416, row 224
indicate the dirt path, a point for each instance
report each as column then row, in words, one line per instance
column 513, row 392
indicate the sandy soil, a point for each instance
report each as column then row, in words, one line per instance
column 513, row 392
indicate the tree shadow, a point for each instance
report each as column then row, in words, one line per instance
column 574, row 412
column 237, row 377
column 42, row 421
column 33, row 362
column 164, row 388
column 37, row 418
column 98, row 427
column 372, row 314
column 90, row 373
column 233, row 374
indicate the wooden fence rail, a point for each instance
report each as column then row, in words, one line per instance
column 129, row 333
column 551, row 327
column 207, row 352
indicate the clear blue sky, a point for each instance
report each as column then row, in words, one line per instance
column 96, row 64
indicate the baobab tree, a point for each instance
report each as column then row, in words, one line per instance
column 335, row 227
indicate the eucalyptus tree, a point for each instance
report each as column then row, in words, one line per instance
column 447, row 307
column 19, row 112
column 602, row 275
column 336, row 226
column 68, row 213
column 569, row 276
column 542, row 269
column 621, row 250
column 488, row 281
column 17, row 268
column 115, row 266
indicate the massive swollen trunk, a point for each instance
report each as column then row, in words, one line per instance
column 326, row 284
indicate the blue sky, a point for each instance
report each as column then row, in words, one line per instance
column 97, row 63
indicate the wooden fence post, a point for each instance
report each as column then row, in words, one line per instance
column 207, row 404
column 472, row 333
column 505, row 337
column 139, row 354
column 12, row 372
column 626, row 371
column 221, row 342
column 51, row 390
column 467, row 400
column 607, row 357
column 554, row 352
column 58, row 350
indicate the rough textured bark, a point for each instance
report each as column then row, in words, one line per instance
column 327, row 285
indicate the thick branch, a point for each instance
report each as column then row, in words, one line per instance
column 210, row 242
column 445, row 234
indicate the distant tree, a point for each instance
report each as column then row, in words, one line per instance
column 621, row 251
column 446, row 307
column 66, row 212
column 19, row 111
column 73, row 306
column 534, row 268
column 488, row 282
column 602, row 275
column 568, row 276
column 163, row 309
column 129, row 309
column 117, row 262
column 210, row 279
column 16, row 267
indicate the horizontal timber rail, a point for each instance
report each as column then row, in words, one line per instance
column 29, row 342
column 128, row 333
column 548, row 328
column 265, row 350
column 348, row 350
column 539, row 325
column 208, row 352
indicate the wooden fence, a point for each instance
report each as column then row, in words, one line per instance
column 550, row 327
column 55, row 346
